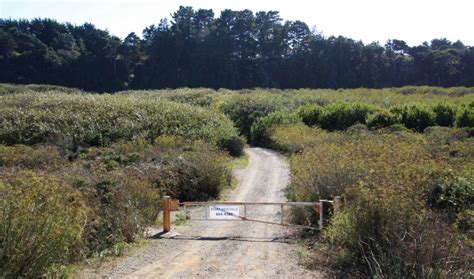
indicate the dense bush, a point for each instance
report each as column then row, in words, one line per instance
column 203, row 97
column 399, row 208
column 382, row 119
column 234, row 145
column 119, row 188
column 122, row 202
column 445, row 115
column 123, row 183
column 388, row 230
column 343, row 161
column 120, row 182
column 391, row 184
column 6, row 89
column 311, row 114
column 98, row 120
column 293, row 138
column 451, row 144
column 407, row 196
column 24, row 156
column 261, row 128
column 466, row 118
column 196, row 175
column 244, row 110
column 340, row 116
column 384, row 233
column 245, row 106
column 416, row 117
column 41, row 224
column 453, row 194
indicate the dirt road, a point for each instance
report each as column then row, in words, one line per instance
column 210, row 249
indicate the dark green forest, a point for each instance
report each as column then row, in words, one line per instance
column 238, row 49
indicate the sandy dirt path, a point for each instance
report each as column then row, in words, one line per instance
column 229, row 249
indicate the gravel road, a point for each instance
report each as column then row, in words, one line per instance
column 228, row 249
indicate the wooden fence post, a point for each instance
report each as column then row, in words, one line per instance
column 166, row 214
column 321, row 216
column 337, row 204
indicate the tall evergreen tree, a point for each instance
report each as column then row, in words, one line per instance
column 237, row 49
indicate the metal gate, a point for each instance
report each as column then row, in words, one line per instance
column 231, row 211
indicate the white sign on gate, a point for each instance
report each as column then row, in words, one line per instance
column 224, row 212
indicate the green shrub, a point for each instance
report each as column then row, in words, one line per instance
column 357, row 128
column 23, row 156
column 445, row 114
column 470, row 105
column 450, row 144
column 368, row 231
column 385, row 228
column 466, row 118
column 453, row 194
column 419, row 118
column 382, row 119
column 123, row 203
column 293, row 138
column 206, row 174
column 438, row 136
column 345, row 159
column 101, row 119
column 6, row 89
column 197, row 172
column 235, row 146
column 170, row 142
column 340, row 116
column 416, row 117
column 203, row 97
column 465, row 221
column 183, row 169
column 384, row 234
column 261, row 128
column 41, row 223
column 310, row 114
column 244, row 110
column 121, row 185
column 397, row 128
column 117, row 183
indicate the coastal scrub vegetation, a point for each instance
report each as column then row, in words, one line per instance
column 82, row 174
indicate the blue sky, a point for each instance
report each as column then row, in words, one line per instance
column 414, row 21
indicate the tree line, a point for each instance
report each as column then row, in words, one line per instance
column 238, row 49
